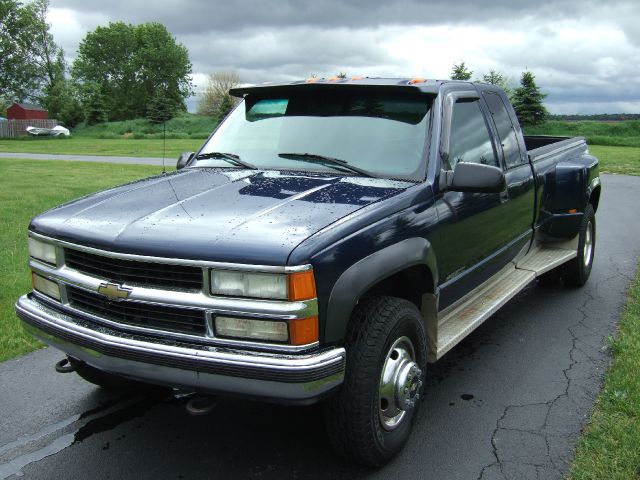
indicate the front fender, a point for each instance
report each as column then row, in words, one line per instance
column 367, row 272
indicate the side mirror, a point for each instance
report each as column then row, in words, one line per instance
column 476, row 178
column 183, row 159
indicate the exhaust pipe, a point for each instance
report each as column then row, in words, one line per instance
column 68, row 365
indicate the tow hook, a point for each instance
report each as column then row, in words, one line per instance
column 201, row 405
column 68, row 365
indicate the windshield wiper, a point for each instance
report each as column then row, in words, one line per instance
column 229, row 157
column 330, row 161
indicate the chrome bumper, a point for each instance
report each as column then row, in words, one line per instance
column 271, row 376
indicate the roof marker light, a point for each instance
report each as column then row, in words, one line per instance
column 416, row 80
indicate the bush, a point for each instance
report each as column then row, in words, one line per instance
column 185, row 124
column 107, row 136
column 621, row 134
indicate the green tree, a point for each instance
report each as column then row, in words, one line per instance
column 48, row 57
column 63, row 102
column 72, row 113
column 94, row 103
column 496, row 78
column 215, row 99
column 30, row 60
column 527, row 101
column 342, row 75
column 4, row 104
column 459, row 71
column 160, row 108
column 16, row 73
column 226, row 105
column 128, row 64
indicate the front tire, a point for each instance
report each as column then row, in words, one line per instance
column 371, row 416
column 575, row 273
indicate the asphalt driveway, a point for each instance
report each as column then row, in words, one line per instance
column 91, row 158
column 509, row 402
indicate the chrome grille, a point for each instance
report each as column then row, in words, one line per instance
column 132, row 272
column 158, row 317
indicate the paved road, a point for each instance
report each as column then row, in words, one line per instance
column 509, row 402
column 91, row 158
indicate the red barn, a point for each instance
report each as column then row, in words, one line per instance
column 26, row 111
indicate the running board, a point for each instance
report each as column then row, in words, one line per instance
column 458, row 321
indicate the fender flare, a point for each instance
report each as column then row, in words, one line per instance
column 595, row 184
column 367, row 272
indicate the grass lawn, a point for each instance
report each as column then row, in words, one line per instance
column 621, row 134
column 624, row 160
column 124, row 147
column 610, row 447
column 27, row 188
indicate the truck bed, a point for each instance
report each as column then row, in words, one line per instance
column 539, row 146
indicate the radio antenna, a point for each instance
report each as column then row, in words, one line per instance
column 164, row 144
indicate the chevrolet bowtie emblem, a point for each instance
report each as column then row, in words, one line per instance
column 113, row 291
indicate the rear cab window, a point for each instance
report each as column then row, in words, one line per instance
column 506, row 130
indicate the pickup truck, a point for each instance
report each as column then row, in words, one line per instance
column 329, row 240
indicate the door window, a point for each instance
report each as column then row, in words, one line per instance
column 470, row 139
column 506, row 131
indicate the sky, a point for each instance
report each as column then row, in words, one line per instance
column 585, row 54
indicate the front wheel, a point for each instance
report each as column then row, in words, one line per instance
column 576, row 272
column 371, row 416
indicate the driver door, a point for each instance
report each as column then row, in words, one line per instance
column 474, row 228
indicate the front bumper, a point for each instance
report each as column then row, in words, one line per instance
column 298, row 378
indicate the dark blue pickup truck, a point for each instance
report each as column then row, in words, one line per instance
column 327, row 241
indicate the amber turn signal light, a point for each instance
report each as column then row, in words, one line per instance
column 302, row 286
column 303, row 331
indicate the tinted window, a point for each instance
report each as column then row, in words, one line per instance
column 470, row 139
column 381, row 132
column 505, row 128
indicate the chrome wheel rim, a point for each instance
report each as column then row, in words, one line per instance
column 588, row 244
column 400, row 383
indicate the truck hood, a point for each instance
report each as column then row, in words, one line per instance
column 243, row 216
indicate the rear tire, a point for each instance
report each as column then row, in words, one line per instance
column 575, row 273
column 106, row 380
column 371, row 416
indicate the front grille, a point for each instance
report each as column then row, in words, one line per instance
column 172, row 319
column 132, row 272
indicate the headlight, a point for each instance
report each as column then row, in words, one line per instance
column 246, row 284
column 43, row 285
column 252, row 329
column 43, row 251
column 302, row 331
column 277, row 286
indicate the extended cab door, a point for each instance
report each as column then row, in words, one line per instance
column 518, row 170
column 477, row 236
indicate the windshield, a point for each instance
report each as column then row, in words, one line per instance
column 378, row 133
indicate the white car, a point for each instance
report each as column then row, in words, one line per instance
column 55, row 131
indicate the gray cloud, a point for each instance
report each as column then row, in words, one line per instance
column 584, row 54
column 186, row 16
